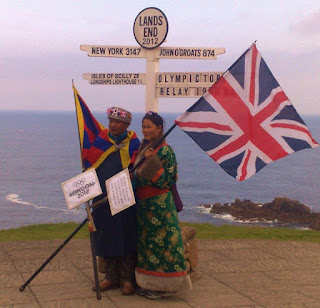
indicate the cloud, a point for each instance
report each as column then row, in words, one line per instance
column 310, row 25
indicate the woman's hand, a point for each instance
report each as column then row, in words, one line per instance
column 149, row 153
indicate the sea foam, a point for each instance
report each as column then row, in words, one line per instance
column 15, row 198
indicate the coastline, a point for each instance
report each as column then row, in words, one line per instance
column 232, row 220
column 35, row 215
column 281, row 211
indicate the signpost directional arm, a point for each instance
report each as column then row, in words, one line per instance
column 111, row 79
column 114, row 51
column 202, row 53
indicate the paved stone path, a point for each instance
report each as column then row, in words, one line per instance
column 231, row 273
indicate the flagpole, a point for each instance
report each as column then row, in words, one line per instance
column 52, row 255
column 88, row 218
column 92, row 227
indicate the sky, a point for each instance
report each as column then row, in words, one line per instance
column 40, row 48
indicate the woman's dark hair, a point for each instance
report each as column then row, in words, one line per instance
column 155, row 118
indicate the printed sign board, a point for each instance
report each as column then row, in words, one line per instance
column 150, row 28
column 111, row 79
column 114, row 51
column 81, row 188
column 168, row 78
column 120, row 192
column 189, row 53
column 182, row 91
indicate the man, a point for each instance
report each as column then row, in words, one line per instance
column 115, row 238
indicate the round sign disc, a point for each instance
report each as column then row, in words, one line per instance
column 150, row 28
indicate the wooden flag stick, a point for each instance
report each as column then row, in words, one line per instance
column 89, row 215
column 90, row 218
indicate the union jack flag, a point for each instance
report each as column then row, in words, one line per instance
column 245, row 121
column 123, row 114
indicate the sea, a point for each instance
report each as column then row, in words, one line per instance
column 40, row 150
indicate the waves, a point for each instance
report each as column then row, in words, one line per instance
column 32, row 194
column 15, row 199
column 229, row 219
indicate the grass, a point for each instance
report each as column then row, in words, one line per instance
column 43, row 232
column 225, row 232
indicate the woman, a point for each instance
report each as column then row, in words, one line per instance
column 161, row 269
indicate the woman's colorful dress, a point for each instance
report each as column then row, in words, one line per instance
column 161, row 264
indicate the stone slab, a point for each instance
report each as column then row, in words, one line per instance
column 64, row 291
column 54, row 277
column 12, row 296
column 232, row 273
column 31, row 265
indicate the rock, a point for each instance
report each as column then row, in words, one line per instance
column 281, row 209
column 315, row 221
column 216, row 208
column 286, row 210
column 190, row 245
column 187, row 233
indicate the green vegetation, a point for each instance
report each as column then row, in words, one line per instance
column 43, row 232
column 228, row 232
column 225, row 232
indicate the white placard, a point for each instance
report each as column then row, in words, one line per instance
column 120, row 192
column 81, row 188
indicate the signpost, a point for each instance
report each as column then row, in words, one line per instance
column 150, row 30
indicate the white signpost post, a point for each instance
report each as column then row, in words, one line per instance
column 150, row 31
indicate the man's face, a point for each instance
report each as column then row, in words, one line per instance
column 117, row 127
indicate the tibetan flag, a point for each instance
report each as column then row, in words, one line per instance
column 89, row 127
column 245, row 120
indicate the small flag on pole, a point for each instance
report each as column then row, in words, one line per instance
column 245, row 121
column 95, row 142
column 89, row 127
